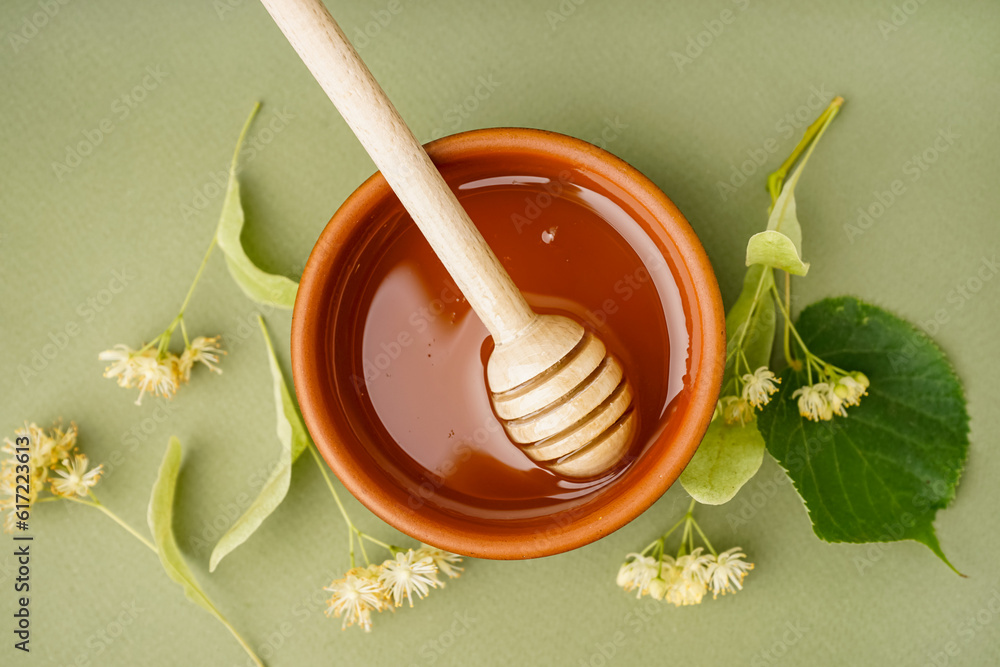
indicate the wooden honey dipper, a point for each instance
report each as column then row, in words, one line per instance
column 559, row 393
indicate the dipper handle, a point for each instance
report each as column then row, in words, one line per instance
column 404, row 163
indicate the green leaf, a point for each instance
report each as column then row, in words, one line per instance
column 881, row 473
column 728, row 457
column 161, row 517
column 757, row 332
column 294, row 439
column 257, row 284
column 776, row 250
column 783, row 216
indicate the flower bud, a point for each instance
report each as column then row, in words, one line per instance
column 624, row 575
column 657, row 588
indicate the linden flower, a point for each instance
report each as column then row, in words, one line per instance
column 142, row 369
column 736, row 410
column 686, row 591
column 657, row 588
column 159, row 374
column 837, row 405
column 354, row 598
column 202, row 350
column 758, row 387
column 850, row 389
column 121, row 368
column 637, row 572
column 62, row 443
column 726, row 571
column 684, row 580
column 695, row 565
column 155, row 376
column 8, row 495
column 407, row 575
column 446, row 563
column 45, row 450
column 75, row 478
column 814, row 402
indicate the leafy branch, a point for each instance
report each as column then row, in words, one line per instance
column 872, row 476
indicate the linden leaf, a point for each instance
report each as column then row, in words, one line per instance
column 728, row 457
column 756, row 334
column 294, row 439
column 257, row 284
column 881, row 473
column 783, row 216
column 776, row 250
column 160, row 517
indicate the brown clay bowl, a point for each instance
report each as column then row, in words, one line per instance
column 339, row 426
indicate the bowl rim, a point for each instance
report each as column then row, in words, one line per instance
column 661, row 465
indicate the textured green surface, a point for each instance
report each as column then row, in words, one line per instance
column 132, row 206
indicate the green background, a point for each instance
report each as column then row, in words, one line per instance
column 133, row 206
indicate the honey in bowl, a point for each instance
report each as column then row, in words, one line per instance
column 413, row 436
column 412, row 359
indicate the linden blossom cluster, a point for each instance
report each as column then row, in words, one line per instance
column 684, row 579
column 380, row 587
column 52, row 458
column 834, row 392
column 829, row 390
column 377, row 587
column 153, row 368
column 832, row 395
column 757, row 388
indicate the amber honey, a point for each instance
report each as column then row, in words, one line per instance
column 418, row 351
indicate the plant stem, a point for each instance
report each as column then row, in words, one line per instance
column 211, row 246
column 329, row 483
column 673, row 528
column 243, row 135
column 682, row 550
column 351, row 528
column 364, row 554
column 788, row 321
column 794, row 363
column 162, row 341
column 197, row 277
column 184, row 332
column 753, row 307
column 366, row 536
column 350, row 544
column 246, row 647
column 655, row 542
column 704, row 539
column 95, row 503
column 746, row 363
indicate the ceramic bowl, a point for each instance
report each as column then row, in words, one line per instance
column 339, row 425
